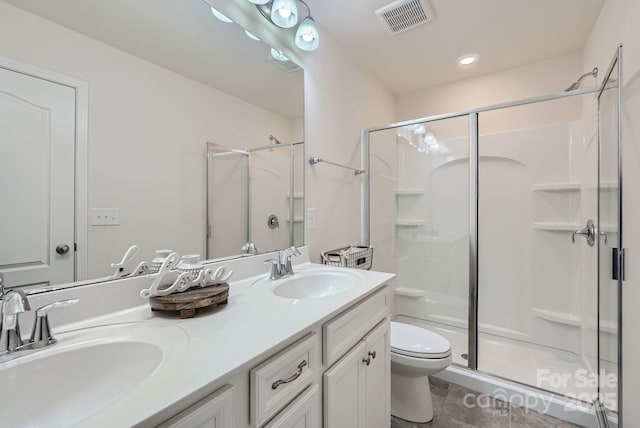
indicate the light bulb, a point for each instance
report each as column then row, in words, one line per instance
column 307, row 36
column 284, row 13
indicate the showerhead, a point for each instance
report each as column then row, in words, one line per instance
column 274, row 140
column 575, row 85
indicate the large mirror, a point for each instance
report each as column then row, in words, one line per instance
column 107, row 109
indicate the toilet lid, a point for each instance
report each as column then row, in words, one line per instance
column 418, row 342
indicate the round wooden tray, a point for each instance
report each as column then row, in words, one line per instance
column 187, row 303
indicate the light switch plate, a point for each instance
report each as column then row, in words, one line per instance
column 310, row 221
column 105, row 216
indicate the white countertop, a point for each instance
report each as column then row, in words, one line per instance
column 253, row 324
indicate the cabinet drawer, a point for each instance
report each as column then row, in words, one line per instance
column 304, row 412
column 280, row 379
column 344, row 331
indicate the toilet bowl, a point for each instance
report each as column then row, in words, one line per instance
column 416, row 353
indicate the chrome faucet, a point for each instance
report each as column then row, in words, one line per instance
column 14, row 302
column 249, row 248
column 281, row 265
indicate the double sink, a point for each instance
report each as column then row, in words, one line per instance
column 92, row 368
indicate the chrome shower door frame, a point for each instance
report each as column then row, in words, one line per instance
column 473, row 115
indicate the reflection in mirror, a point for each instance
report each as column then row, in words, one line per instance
column 252, row 197
column 159, row 86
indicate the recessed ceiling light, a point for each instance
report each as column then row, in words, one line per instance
column 468, row 59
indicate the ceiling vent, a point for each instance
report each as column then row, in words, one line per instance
column 288, row 66
column 403, row 15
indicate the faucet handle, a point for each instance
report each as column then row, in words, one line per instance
column 275, row 268
column 41, row 334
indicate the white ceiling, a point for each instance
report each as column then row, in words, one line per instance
column 182, row 36
column 505, row 33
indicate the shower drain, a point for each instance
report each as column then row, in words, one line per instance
column 465, row 356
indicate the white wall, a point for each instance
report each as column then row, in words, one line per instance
column 534, row 79
column 340, row 100
column 147, row 132
column 618, row 23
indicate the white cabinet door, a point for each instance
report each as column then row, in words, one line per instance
column 344, row 391
column 37, row 184
column 304, row 412
column 377, row 380
column 213, row 411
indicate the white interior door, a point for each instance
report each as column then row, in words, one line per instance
column 37, row 157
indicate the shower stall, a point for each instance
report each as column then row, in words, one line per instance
column 255, row 199
column 503, row 225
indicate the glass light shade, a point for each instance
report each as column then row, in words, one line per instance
column 278, row 55
column 284, row 13
column 259, row 1
column 220, row 16
column 251, row 36
column 307, row 37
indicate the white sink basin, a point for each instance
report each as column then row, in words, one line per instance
column 315, row 284
column 86, row 371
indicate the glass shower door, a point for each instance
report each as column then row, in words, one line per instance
column 611, row 256
column 537, row 278
column 419, row 223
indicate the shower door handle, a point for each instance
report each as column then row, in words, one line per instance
column 589, row 233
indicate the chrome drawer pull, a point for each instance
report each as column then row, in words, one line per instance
column 293, row 377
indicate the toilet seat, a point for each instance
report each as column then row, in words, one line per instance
column 417, row 342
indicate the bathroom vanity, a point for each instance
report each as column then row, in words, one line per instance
column 308, row 350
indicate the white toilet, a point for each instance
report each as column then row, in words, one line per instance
column 415, row 354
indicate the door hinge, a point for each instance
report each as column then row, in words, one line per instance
column 618, row 264
column 75, row 246
column 208, row 231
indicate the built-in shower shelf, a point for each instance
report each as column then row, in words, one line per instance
column 410, row 223
column 557, row 317
column 556, row 226
column 409, row 192
column 570, row 187
column 556, row 187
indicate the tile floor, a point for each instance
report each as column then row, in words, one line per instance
column 450, row 411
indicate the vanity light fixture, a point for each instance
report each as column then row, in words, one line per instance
column 284, row 14
column 219, row 15
column 468, row 59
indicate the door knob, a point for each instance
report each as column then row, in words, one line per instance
column 62, row 249
column 589, row 233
